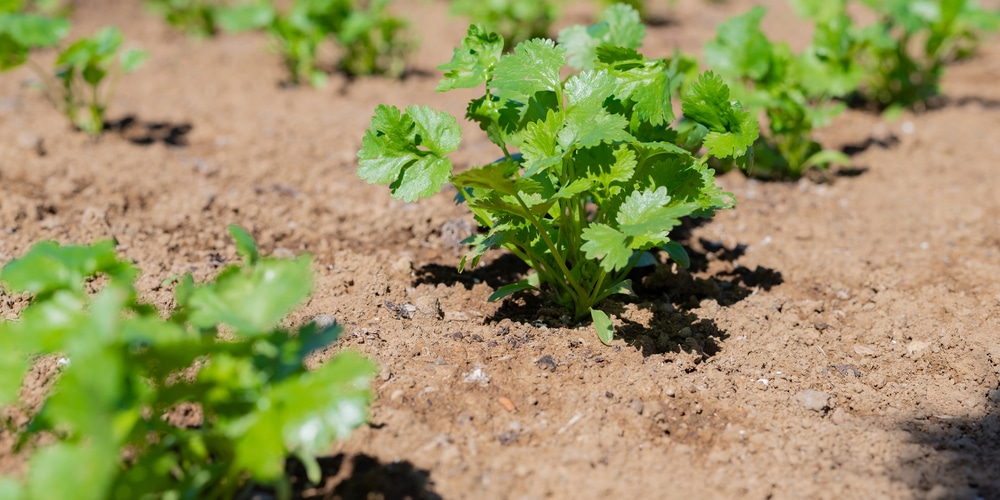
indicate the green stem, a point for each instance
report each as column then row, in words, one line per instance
column 560, row 260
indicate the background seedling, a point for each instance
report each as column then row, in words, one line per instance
column 371, row 39
column 86, row 72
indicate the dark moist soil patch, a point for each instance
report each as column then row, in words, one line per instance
column 879, row 288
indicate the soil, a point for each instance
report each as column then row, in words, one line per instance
column 836, row 339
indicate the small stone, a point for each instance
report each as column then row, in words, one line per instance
column 864, row 350
column 477, row 375
column 386, row 374
column 637, row 406
column 814, row 400
column 428, row 306
column 403, row 265
column 31, row 141
column 398, row 393
column 839, row 416
column 547, row 363
column 916, row 348
column 455, row 316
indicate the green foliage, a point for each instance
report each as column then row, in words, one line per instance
column 911, row 43
column 21, row 31
column 514, row 20
column 372, row 39
column 86, row 71
column 785, row 88
column 125, row 368
column 196, row 17
column 593, row 173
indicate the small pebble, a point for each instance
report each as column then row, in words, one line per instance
column 547, row 363
column 839, row 416
column 814, row 400
column 637, row 406
column 428, row 306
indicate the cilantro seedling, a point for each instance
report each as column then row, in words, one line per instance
column 913, row 41
column 772, row 80
column 593, row 172
column 372, row 40
column 86, row 72
column 126, row 367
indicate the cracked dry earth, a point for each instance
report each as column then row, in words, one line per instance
column 831, row 340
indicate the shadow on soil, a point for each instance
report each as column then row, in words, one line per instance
column 962, row 460
column 148, row 133
column 358, row 476
column 665, row 295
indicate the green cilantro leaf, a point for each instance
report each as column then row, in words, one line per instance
column 607, row 244
column 533, row 67
column 473, row 62
column 408, row 151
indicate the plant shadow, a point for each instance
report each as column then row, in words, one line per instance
column 147, row 133
column 357, row 476
column 505, row 268
column 665, row 298
column 965, row 461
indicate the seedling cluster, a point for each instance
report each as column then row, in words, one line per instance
column 592, row 170
column 894, row 63
column 125, row 366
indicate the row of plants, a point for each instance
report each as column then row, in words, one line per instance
column 594, row 171
column 894, row 63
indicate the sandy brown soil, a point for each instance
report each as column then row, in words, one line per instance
column 880, row 290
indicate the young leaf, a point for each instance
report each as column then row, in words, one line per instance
column 408, row 151
column 620, row 26
column 252, row 302
column 246, row 247
column 510, row 290
column 473, row 62
column 533, row 67
column 602, row 323
column 607, row 244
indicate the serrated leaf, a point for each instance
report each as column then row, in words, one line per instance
column 602, row 323
column 587, row 126
column 605, row 243
column 738, row 140
column 494, row 176
column 533, row 67
column 620, row 26
column 539, row 144
column 408, row 151
column 473, row 62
